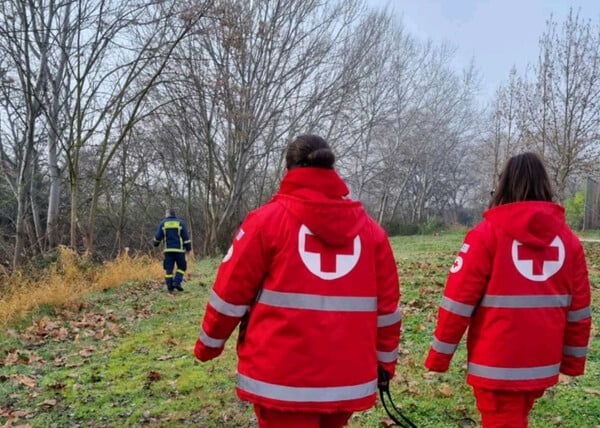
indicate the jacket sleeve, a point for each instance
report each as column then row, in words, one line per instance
column 185, row 236
column 238, row 281
column 159, row 234
column 579, row 320
column 464, row 289
column 389, row 317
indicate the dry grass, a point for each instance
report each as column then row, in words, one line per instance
column 69, row 279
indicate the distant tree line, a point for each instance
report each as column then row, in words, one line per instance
column 112, row 111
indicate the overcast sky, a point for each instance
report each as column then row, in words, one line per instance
column 496, row 33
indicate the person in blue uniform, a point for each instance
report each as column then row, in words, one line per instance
column 176, row 244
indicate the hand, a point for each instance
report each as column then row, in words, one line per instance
column 383, row 379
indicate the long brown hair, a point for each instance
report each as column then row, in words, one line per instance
column 523, row 178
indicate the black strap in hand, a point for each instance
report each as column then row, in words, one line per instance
column 383, row 383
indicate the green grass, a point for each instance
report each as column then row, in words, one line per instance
column 84, row 371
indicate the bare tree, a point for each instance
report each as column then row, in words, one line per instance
column 564, row 99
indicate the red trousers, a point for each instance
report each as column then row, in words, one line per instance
column 269, row 418
column 505, row 409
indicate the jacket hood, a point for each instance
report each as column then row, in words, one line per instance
column 316, row 197
column 535, row 223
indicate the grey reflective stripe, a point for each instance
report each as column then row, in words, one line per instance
column 306, row 394
column 317, row 302
column 579, row 314
column 537, row 301
column 389, row 319
column 504, row 373
column 575, row 351
column 443, row 347
column 226, row 308
column 456, row 307
column 210, row 342
column 387, row 357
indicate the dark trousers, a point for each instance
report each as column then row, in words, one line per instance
column 172, row 259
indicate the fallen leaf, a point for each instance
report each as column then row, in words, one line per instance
column 11, row 358
column 59, row 334
column 165, row 358
column 49, row 403
column 59, row 361
column 154, row 376
column 99, row 334
column 25, row 380
column 114, row 328
column 87, row 351
column 172, row 341
column 445, row 390
column 387, row 422
column 56, row 386
column 591, row 391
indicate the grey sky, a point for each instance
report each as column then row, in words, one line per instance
column 496, row 33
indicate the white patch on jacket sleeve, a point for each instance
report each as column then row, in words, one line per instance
column 465, row 248
column 457, row 265
column 240, row 235
column 229, row 254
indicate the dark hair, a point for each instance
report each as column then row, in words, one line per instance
column 171, row 212
column 309, row 150
column 523, row 178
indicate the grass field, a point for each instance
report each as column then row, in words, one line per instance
column 124, row 357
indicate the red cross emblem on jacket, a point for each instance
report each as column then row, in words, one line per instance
column 538, row 263
column 325, row 261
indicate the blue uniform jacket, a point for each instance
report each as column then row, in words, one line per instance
column 174, row 231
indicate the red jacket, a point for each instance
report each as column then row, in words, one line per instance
column 520, row 284
column 315, row 283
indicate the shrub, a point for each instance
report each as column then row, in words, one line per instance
column 68, row 279
column 574, row 210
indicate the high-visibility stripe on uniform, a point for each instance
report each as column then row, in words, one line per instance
column 575, row 351
column 579, row 314
column 443, row 347
column 306, row 394
column 457, row 307
column 317, row 302
column 389, row 319
column 169, row 275
column 172, row 224
column 522, row 302
column 210, row 342
column 505, row 373
column 180, row 271
column 226, row 308
column 387, row 357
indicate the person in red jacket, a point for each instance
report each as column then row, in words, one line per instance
column 313, row 280
column 520, row 284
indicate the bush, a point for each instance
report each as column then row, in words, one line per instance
column 574, row 210
column 431, row 226
column 401, row 229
